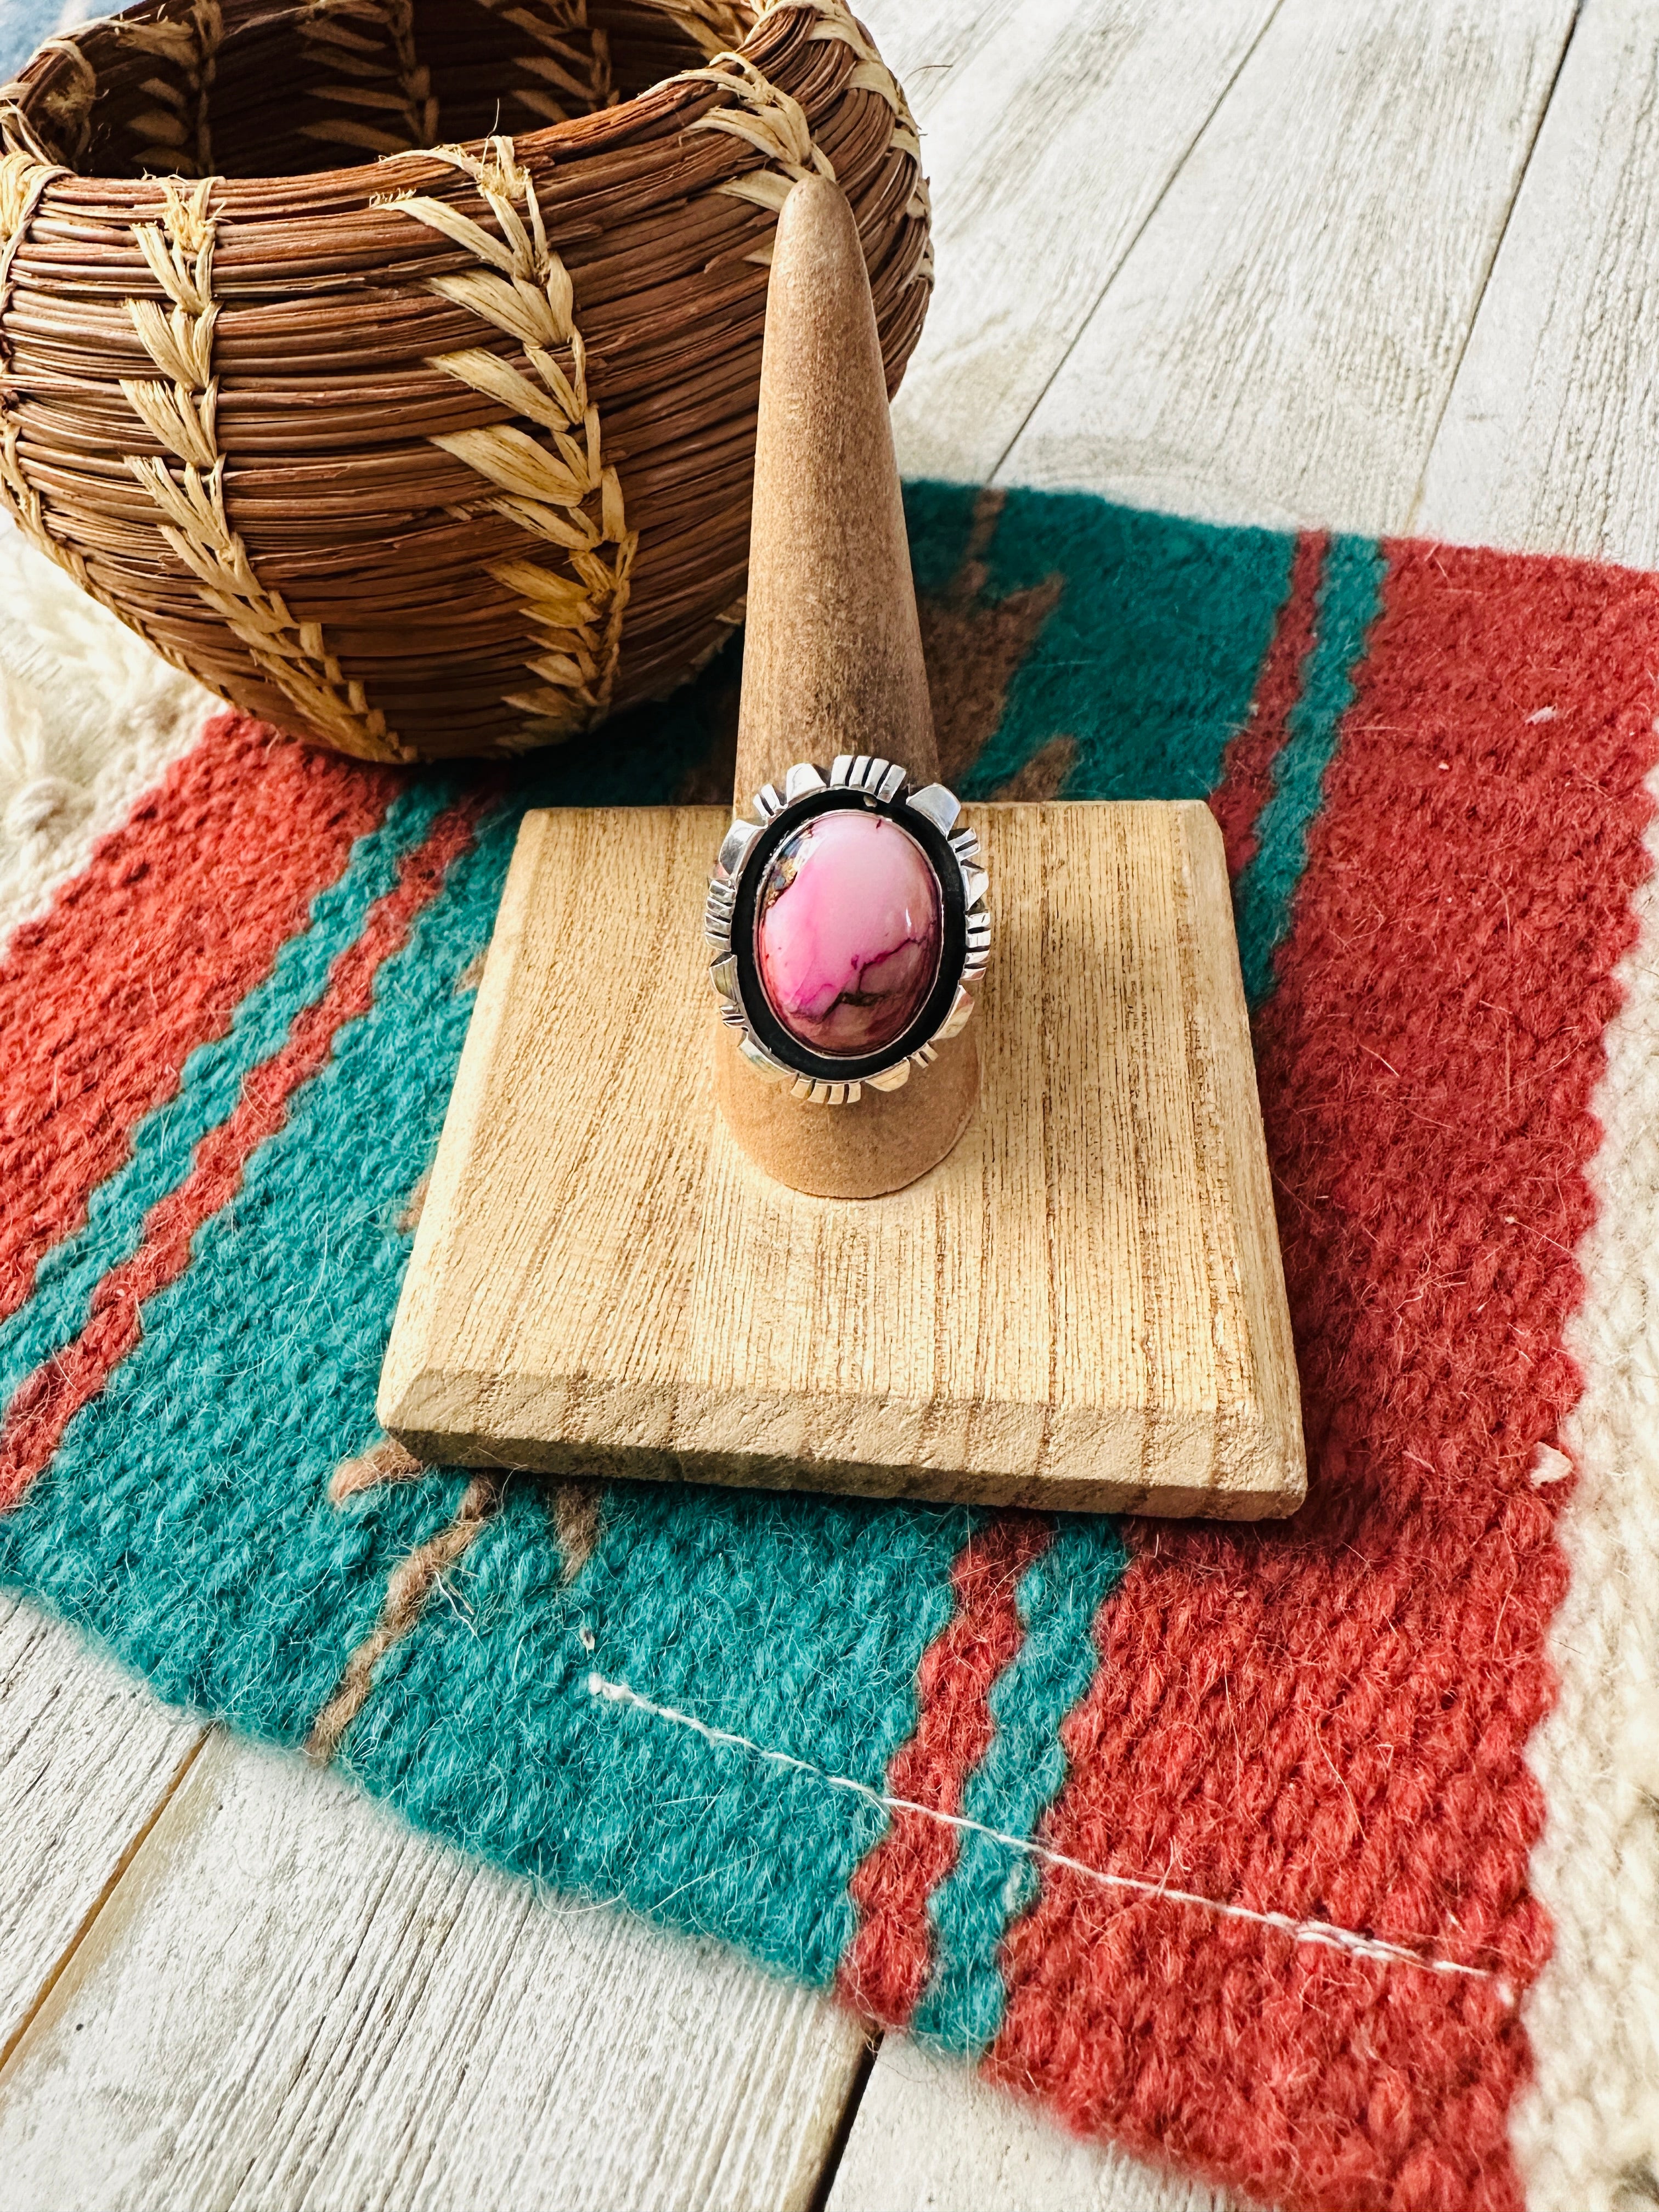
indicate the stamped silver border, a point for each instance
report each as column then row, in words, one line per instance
column 886, row 786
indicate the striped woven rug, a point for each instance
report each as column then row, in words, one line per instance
column 1319, row 1857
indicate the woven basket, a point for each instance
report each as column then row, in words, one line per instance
column 445, row 452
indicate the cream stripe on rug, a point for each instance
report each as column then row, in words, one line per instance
column 1586, row 2131
column 89, row 721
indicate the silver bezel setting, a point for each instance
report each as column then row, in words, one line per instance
column 938, row 830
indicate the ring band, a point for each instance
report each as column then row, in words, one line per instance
column 847, row 920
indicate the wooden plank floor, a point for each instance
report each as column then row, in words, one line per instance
column 1379, row 263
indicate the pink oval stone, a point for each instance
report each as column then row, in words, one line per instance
column 847, row 931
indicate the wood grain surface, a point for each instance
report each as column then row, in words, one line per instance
column 1047, row 152
column 1547, row 441
column 932, row 2138
column 1279, row 345
column 1082, row 1307
column 930, row 44
column 87, row 1758
column 292, row 2000
column 1550, row 441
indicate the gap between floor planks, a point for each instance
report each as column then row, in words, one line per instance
column 1280, row 343
column 1499, row 498
column 88, row 1761
column 292, row 1998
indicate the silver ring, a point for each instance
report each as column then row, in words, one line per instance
column 847, row 920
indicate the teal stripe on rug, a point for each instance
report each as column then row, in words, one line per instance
column 1350, row 598
column 1146, row 659
column 1017, row 1780
column 209, row 1086
column 648, row 755
column 184, row 1519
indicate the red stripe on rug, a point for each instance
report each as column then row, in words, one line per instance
column 148, row 953
column 55, row 1392
column 1327, row 1718
column 886, row 1965
column 1247, row 766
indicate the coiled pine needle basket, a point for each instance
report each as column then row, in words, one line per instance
column 446, row 451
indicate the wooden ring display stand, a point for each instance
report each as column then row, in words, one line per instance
column 1044, row 1273
column 832, row 663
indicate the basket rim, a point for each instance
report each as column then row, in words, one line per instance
column 345, row 181
column 547, row 526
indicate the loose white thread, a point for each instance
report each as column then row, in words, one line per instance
column 1303, row 1931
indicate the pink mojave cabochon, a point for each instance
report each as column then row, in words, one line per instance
column 848, row 933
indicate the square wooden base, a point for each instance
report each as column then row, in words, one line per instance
column 1082, row 1308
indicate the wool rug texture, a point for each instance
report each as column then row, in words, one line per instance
column 1317, row 1857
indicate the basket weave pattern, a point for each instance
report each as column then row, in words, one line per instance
column 450, row 451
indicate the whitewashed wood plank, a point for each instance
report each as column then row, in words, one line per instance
column 86, row 1758
column 928, row 43
column 1047, row 150
column 1551, row 439
column 293, row 1998
column 1280, row 344
column 932, row 2138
